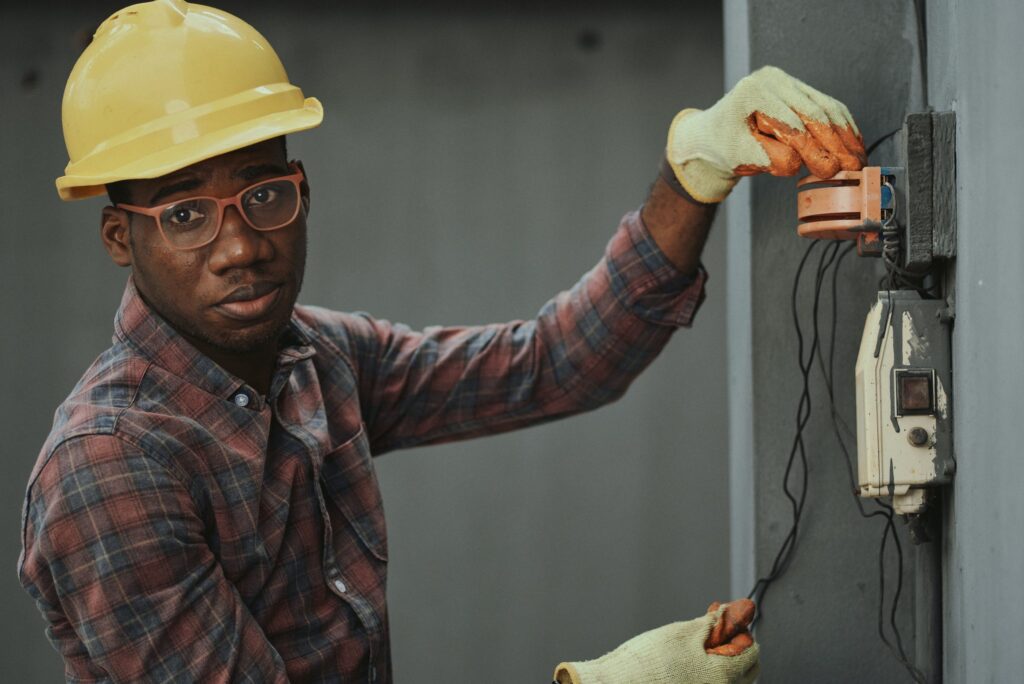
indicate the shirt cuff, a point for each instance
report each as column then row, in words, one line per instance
column 646, row 282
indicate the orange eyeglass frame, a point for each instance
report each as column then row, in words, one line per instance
column 222, row 203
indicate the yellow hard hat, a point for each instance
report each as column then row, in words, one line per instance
column 166, row 84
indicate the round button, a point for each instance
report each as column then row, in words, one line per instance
column 918, row 437
column 340, row 586
column 332, row 572
column 242, row 399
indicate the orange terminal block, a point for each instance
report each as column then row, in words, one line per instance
column 847, row 206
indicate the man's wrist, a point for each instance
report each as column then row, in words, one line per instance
column 668, row 174
column 678, row 224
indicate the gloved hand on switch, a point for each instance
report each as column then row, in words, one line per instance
column 769, row 122
column 714, row 649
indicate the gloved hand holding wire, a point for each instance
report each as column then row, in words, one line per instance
column 714, row 649
column 769, row 122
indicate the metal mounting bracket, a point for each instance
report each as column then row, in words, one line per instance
column 928, row 210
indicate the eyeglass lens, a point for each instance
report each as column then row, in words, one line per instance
column 267, row 206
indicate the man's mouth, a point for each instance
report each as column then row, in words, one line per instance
column 250, row 302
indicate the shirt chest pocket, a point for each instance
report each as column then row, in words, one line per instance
column 350, row 486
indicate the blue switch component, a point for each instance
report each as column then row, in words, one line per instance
column 892, row 175
column 886, row 197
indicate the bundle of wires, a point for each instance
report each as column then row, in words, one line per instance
column 830, row 259
column 896, row 278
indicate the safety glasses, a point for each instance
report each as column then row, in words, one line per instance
column 195, row 222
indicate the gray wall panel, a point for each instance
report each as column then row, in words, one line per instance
column 975, row 55
column 820, row 616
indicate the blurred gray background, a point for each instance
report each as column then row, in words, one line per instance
column 473, row 161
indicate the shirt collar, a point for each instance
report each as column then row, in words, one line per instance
column 137, row 325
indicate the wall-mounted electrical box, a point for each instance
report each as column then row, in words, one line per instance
column 906, row 215
column 904, row 440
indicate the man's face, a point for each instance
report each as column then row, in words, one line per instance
column 234, row 295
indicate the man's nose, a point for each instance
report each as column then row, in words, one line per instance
column 238, row 245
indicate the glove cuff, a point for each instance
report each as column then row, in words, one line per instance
column 703, row 181
column 668, row 175
column 566, row 673
column 586, row 672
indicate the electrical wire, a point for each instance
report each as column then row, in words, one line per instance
column 922, row 46
column 797, row 453
column 873, row 146
column 896, row 277
column 885, row 512
column 921, row 29
column 831, row 257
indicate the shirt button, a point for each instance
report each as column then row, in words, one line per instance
column 332, row 572
column 242, row 399
column 340, row 586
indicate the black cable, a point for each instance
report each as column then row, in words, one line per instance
column 798, row 449
column 761, row 586
column 874, row 146
column 831, row 257
column 886, row 512
column 895, row 276
column 922, row 47
column 837, row 420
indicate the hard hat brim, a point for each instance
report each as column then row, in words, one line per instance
column 74, row 186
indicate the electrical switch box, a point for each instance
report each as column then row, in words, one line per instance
column 904, row 421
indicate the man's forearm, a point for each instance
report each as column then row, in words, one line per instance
column 583, row 349
column 678, row 224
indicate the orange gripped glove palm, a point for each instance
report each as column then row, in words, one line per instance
column 714, row 649
column 769, row 122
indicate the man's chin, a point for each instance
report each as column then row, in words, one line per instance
column 258, row 336
column 263, row 337
column 214, row 341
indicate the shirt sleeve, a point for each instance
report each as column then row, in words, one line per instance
column 581, row 351
column 116, row 560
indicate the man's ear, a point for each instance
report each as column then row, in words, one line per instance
column 303, row 186
column 114, row 231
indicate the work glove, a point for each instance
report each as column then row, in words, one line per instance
column 713, row 649
column 768, row 123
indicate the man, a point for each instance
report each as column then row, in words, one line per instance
column 205, row 507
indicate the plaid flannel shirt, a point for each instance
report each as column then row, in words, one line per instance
column 178, row 526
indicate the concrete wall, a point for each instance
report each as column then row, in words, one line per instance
column 472, row 163
column 975, row 54
column 866, row 54
column 820, row 616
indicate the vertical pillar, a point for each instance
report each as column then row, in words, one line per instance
column 974, row 58
column 739, row 346
column 821, row 615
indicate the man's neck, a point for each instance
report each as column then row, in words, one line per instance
column 255, row 367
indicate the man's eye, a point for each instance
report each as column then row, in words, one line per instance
column 184, row 215
column 261, row 196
